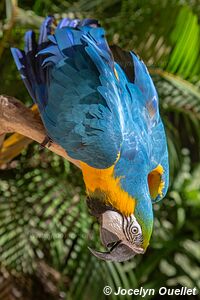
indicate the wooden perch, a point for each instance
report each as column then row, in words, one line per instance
column 16, row 117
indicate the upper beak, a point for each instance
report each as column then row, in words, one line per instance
column 118, row 250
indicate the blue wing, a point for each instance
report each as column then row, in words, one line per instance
column 93, row 105
column 70, row 75
column 158, row 152
column 146, row 144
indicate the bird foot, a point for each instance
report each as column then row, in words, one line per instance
column 46, row 142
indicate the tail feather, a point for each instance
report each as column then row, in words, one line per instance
column 45, row 30
column 30, row 42
column 20, row 60
column 34, row 76
column 69, row 41
column 29, row 58
column 67, row 22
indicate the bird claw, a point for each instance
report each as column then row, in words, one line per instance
column 46, row 142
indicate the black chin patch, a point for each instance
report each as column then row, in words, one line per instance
column 96, row 204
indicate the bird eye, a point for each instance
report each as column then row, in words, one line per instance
column 135, row 230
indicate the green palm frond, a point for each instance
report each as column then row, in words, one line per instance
column 184, row 58
column 178, row 94
column 180, row 106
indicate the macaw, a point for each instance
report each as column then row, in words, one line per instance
column 100, row 104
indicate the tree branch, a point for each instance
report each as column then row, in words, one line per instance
column 16, row 117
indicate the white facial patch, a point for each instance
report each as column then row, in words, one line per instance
column 126, row 228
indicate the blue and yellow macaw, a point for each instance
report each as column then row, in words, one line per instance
column 99, row 103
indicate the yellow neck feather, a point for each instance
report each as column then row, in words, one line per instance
column 103, row 180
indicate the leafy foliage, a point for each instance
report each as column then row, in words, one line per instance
column 45, row 227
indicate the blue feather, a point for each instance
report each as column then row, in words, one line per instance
column 45, row 30
column 99, row 110
column 92, row 113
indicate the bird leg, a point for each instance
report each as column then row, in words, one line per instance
column 46, row 142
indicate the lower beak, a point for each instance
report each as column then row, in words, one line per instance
column 119, row 251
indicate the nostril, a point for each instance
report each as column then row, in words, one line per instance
column 113, row 245
column 110, row 245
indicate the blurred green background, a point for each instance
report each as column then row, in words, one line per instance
column 45, row 226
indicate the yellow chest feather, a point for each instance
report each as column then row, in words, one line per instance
column 104, row 181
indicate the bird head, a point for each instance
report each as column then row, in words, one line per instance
column 123, row 207
column 122, row 236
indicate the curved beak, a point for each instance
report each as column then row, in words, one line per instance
column 112, row 237
column 117, row 250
